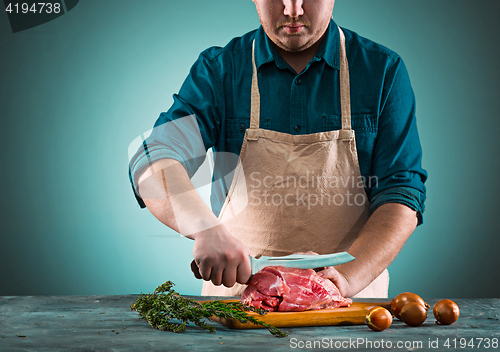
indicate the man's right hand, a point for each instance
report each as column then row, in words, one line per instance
column 221, row 258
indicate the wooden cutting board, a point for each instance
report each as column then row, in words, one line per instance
column 353, row 315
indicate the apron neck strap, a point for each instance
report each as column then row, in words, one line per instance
column 345, row 99
column 255, row 103
column 345, row 94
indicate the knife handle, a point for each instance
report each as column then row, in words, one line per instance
column 195, row 270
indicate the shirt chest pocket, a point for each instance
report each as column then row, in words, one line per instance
column 235, row 128
column 360, row 123
column 232, row 136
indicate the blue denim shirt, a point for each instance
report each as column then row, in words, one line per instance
column 216, row 97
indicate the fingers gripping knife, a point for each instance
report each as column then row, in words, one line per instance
column 302, row 261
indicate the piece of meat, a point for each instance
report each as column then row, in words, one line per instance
column 277, row 288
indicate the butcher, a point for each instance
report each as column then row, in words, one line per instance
column 315, row 150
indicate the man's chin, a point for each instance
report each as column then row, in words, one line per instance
column 294, row 45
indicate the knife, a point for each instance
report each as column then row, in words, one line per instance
column 303, row 261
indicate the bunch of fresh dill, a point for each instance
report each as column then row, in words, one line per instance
column 164, row 305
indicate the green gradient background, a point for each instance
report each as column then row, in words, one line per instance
column 76, row 91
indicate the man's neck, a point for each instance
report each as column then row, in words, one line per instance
column 299, row 60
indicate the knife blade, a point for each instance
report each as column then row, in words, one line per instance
column 303, row 261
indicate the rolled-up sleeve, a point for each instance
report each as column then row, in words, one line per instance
column 398, row 154
column 188, row 129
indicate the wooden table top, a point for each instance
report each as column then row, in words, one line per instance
column 106, row 323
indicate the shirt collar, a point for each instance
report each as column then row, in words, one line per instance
column 329, row 49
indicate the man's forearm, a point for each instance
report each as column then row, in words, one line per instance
column 170, row 196
column 377, row 245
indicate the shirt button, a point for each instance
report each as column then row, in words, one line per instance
column 297, row 128
column 241, row 127
column 298, row 82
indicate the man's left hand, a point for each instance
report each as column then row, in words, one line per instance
column 339, row 279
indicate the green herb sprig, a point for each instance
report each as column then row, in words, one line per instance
column 164, row 305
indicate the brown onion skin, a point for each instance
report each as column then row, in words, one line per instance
column 413, row 314
column 446, row 312
column 378, row 318
column 402, row 299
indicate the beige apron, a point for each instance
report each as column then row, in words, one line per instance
column 297, row 193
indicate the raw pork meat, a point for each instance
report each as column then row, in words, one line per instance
column 276, row 288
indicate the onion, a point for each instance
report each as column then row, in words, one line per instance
column 413, row 314
column 402, row 299
column 378, row 318
column 446, row 311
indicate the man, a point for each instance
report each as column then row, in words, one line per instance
column 297, row 102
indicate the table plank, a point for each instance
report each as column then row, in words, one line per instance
column 106, row 323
